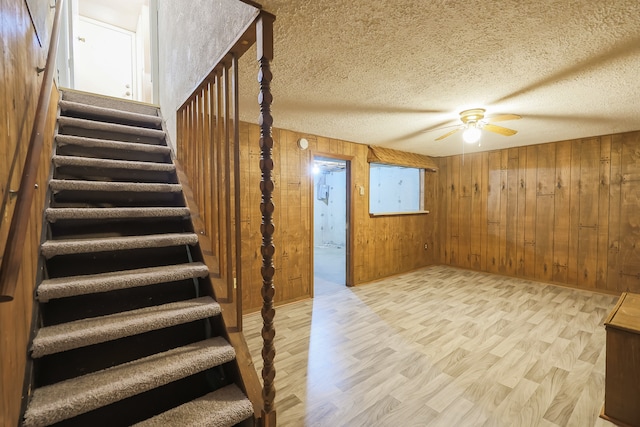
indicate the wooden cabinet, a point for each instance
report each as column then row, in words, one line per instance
column 622, row 381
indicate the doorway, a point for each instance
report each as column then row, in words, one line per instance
column 105, row 48
column 330, row 224
column 104, row 59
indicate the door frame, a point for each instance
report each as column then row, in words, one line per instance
column 350, row 184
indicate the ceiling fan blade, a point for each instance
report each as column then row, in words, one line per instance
column 439, row 128
column 447, row 134
column 499, row 129
column 503, row 118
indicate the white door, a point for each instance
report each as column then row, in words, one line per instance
column 104, row 58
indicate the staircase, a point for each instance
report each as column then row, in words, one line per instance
column 128, row 330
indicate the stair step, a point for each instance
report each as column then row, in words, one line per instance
column 86, row 332
column 55, row 214
column 111, row 114
column 52, row 248
column 63, row 140
column 64, row 287
column 89, row 162
column 67, row 399
column 224, row 407
column 57, row 185
column 111, row 128
column 109, row 102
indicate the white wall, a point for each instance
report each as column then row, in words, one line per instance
column 143, row 51
column 330, row 219
column 192, row 35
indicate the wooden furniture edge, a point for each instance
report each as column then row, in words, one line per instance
column 611, row 419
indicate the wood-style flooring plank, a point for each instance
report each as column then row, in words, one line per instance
column 440, row 346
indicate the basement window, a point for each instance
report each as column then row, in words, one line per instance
column 395, row 190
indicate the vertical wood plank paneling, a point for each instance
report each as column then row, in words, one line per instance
column 464, row 215
column 603, row 212
column 493, row 211
column 484, row 211
column 588, row 218
column 545, row 212
column 503, row 211
column 615, row 211
column 359, row 253
column 569, row 211
column 561, row 212
column 430, row 255
column 629, row 256
column 382, row 245
column 522, row 200
column 574, row 213
column 511, row 257
column 19, row 57
column 454, row 252
column 530, row 211
column 440, row 204
column 477, row 207
column 447, row 205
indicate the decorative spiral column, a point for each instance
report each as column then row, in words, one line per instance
column 264, row 34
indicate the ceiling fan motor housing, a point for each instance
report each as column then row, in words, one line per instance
column 472, row 116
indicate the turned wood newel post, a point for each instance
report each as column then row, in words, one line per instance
column 264, row 34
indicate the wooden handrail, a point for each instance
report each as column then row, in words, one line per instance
column 12, row 259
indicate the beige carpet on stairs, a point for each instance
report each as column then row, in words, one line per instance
column 95, row 283
column 66, row 399
column 63, row 140
column 228, row 403
column 51, row 248
column 95, row 330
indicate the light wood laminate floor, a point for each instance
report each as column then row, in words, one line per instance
column 440, row 347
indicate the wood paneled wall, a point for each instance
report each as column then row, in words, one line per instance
column 18, row 97
column 380, row 246
column 565, row 212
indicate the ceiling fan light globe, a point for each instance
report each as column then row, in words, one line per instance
column 471, row 135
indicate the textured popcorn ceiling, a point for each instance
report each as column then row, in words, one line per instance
column 383, row 72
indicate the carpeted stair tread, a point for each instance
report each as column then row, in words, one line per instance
column 90, row 162
column 53, row 403
column 110, row 113
column 224, row 407
column 58, row 185
column 52, row 248
column 63, row 287
column 109, row 102
column 55, row 214
column 110, row 127
column 111, row 144
column 95, row 330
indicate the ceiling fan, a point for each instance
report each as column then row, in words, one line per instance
column 473, row 122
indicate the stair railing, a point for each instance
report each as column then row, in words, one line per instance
column 13, row 250
column 208, row 148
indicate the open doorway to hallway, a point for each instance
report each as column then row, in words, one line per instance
column 105, row 48
column 330, row 223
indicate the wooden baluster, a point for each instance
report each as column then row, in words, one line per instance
column 228, row 153
column 264, row 34
column 235, row 120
